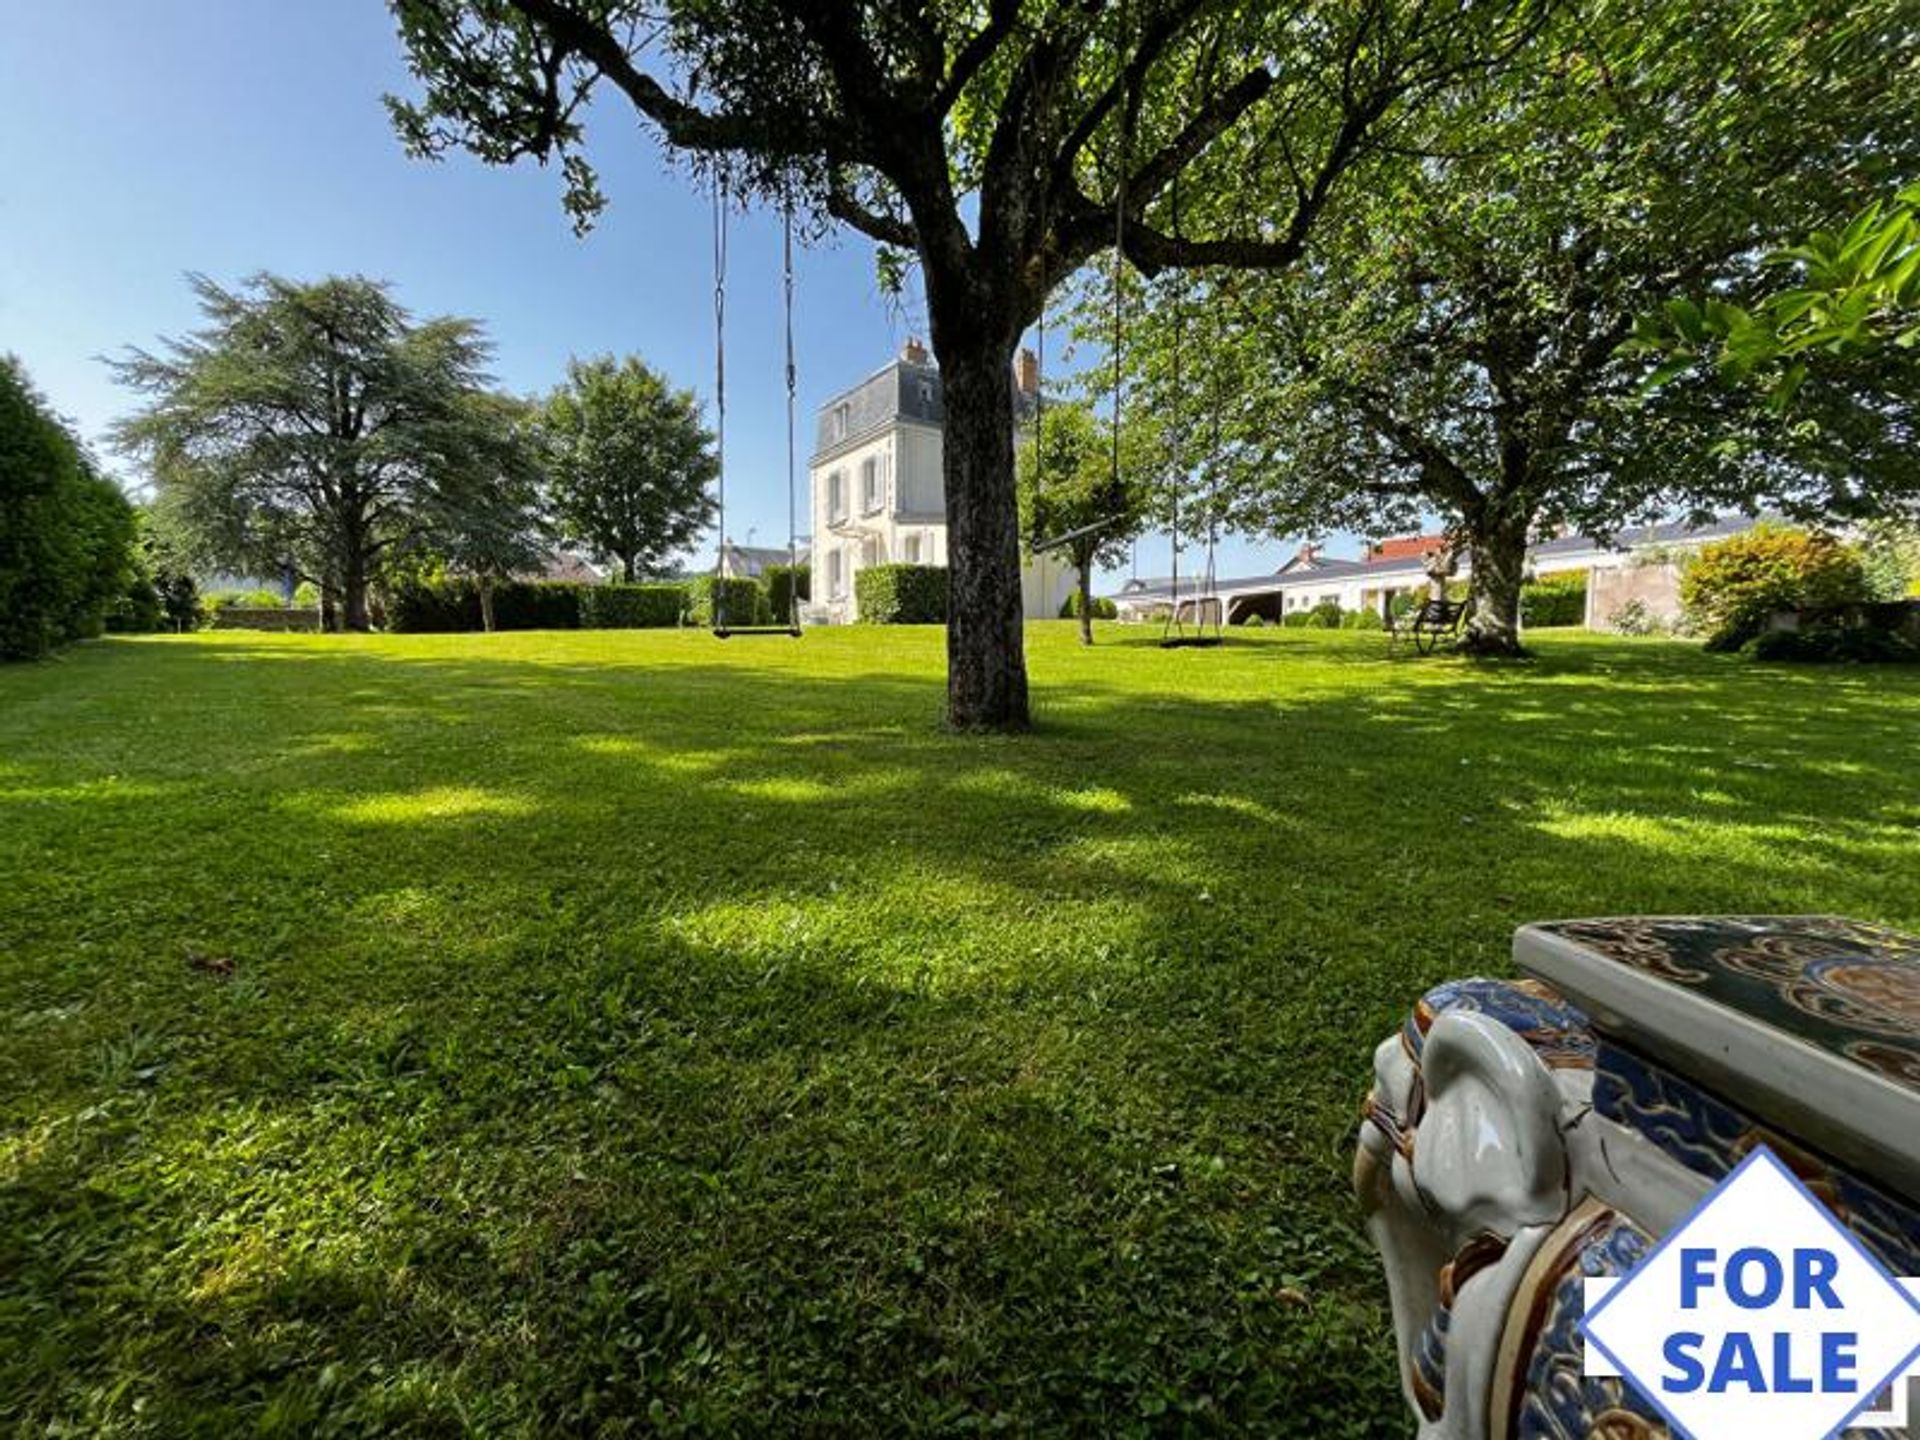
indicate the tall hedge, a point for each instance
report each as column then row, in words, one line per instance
column 746, row 601
column 781, row 581
column 1554, row 600
column 454, row 604
column 66, row 532
column 902, row 594
column 632, row 607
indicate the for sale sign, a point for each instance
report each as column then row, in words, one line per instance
column 1760, row 1315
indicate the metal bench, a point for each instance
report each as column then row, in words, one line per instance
column 1434, row 623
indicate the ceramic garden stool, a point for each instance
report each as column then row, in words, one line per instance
column 1522, row 1135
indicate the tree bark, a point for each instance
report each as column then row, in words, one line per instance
column 986, row 661
column 353, row 587
column 486, row 604
column 1085, row 565
column 1497, row 541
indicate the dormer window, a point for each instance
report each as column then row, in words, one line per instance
column 842, row 418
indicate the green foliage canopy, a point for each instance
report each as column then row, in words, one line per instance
column 629, row 463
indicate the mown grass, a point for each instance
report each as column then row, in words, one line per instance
column 634, row 1033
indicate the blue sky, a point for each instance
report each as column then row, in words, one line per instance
column 141, row 139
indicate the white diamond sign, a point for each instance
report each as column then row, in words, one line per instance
column 1760, row 1314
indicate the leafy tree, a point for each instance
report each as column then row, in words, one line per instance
column 1453, row 346
column 995, row 142
column 312, row 426
column 66, row 531
column 629, row 463
column 1070, row 487
column 496, row 530
column 1857, row 297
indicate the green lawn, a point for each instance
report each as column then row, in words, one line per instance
column 550, row 1032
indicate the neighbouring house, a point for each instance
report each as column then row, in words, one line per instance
column 878, row 494
column 1640, row 565
column 570, row 567
column 751, row 562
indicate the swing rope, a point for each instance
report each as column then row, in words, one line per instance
column 790, row 623
column 720, row 392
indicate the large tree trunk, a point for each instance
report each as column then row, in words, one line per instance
column 1498, row 552
column 986, row 664
column 353, row 591
column 486, row 604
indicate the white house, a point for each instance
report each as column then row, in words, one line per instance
column 1637, row 565
column 878, row 497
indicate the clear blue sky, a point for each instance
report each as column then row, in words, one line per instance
column 141, row 139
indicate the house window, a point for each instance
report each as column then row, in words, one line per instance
column 913, row 550
column 870, row 484
column 836, row 575
column 836, row 498
column 869, row 551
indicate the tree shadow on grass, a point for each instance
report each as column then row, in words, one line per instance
column 672, row 1045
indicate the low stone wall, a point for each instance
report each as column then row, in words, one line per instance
column 247, row 617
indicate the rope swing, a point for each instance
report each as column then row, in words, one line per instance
column 790, row 624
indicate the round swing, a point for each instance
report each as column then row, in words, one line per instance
column 721, row 629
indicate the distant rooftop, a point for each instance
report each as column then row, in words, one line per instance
column 905, row 388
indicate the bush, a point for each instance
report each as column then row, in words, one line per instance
column 1297, row 619
column 1361, row 620
column 1831, row 645
column 139, row 610
column 1403, row 604
column 1103, row 608
column 632, row 607
column 1255, row 622
column 781, row 581
column 1324, row 616
column 1555, row 600
column 243, row 600
column 1632, row 617
column 1734, row 585
column 746, row 600
column 902, row 594
column 66, row 532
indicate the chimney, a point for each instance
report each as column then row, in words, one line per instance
column 1026, row 372
column 913, row 352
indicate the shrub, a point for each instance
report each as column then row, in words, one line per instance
column 632, row 607
column 1403, row 604
column 781, row 581
column 66, row 532
column 1834, row 644
column 1255, row 622
column 1325, row 615
column 1368, row 619
column 1103, row 608
column 243, row 600
column 1733, row 585
column 1297, row 619
column 902, row 594
column 746, row 600
column 1632, row 617
column 1554, row 600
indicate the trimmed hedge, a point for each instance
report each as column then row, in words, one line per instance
column 632, row 607
column 441, row 606
column 1834, row 645
column 901, row 594
column 66, row 532
column 746, row 601
column 1555, row 600
column 780, row 580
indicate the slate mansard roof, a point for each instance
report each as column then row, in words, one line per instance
column 900, row 390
